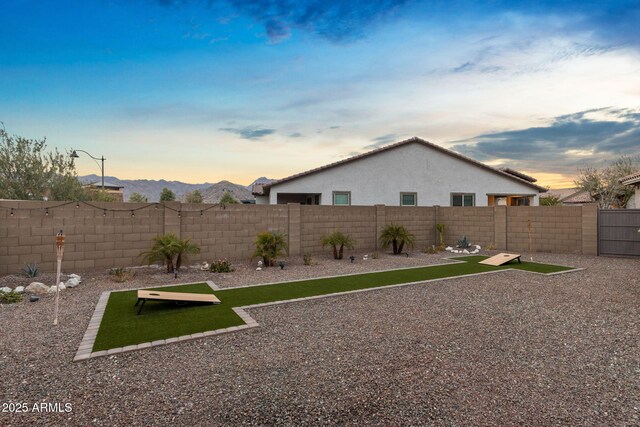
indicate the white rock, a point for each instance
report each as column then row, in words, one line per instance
column 37, row 288
column 259, row 268
column 464, row 251
column 19, row 289
column 75, row 276
column 475, row 251
column 72, row 283
column 448, row 248
column 205, row 266
column 6, row 289
column 478, row 247
column 62, row 286
column 52, row 289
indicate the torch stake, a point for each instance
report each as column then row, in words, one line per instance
column 59, row 254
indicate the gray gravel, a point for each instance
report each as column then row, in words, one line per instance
column 512, row 348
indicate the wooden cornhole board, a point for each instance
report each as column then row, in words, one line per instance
column 144, row 295
column 500, row 259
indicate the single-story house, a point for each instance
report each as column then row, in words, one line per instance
column 413, row 172
column 634, row 181
column 571, row 196
column 115, row 190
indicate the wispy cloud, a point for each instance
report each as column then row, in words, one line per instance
column 295, row 135
column 250, row 132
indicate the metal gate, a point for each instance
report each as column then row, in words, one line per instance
column 619, row 232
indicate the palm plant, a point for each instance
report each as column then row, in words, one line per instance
column 396, row 236
column 338, row 241
column 269, row 246
column 168, row 247
column 183, row 249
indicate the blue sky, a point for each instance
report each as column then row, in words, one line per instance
column 208, row 90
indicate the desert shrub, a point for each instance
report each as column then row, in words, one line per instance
column 121, row 274
column 431, row 250
column 10, row 297
column 194, row 197
column 31, row 270
column 307, row 259
column 269, row 246
column 463, row 243
column 138, row 198
column 397, row 236
column 375, row 255
column 221, row 266
column 338, row 241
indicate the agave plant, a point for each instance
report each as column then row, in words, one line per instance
column 168, row 248
column 31, row 270
column 397, row 236
column 338, row 241
column 269, row 246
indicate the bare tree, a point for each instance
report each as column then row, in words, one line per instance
column 603, row 184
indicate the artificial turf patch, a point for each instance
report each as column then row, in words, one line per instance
column 121, row 326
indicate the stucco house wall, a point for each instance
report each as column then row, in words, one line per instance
column 412, row 168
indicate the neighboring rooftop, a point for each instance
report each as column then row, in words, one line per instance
column 634, row 178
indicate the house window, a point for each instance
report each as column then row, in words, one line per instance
column 342, row 198
column 463, row 199
column 408, row 199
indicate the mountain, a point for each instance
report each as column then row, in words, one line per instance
column 152, row 188
column 214, row 193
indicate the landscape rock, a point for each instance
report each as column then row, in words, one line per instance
column 448, row 248
column 72, row 282
column 75, row 276
column 464, row 251
column 52, row 289
column 37, row 288
column 19, row 289
column 6, row 289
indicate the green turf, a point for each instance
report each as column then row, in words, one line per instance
column 160, row 320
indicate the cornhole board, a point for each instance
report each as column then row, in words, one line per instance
column 501, row 258
column 178, row 297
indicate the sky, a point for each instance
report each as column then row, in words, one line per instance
column 206, row 90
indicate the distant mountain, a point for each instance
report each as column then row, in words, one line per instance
column 214, row 193
column 152, row 188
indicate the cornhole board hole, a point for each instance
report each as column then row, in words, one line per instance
column 500, row 259
column 177, row 297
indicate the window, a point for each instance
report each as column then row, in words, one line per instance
column 408, row 199
column 342, row 198
column 463, row 199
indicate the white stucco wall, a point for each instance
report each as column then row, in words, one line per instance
column 380, row 178
column 634, row 201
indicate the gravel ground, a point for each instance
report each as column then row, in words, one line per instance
column 513, row 348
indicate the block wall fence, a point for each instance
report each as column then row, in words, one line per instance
column 104, row 235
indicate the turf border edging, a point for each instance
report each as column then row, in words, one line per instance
column 86, row 346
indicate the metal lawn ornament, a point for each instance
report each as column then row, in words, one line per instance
column 59, row 254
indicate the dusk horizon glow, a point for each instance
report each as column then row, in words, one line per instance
column 203, row 91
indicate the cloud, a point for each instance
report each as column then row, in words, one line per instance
column 590, row 137
column 249, row 132
column 382, row 140
column 335, row 20
column 295, row 135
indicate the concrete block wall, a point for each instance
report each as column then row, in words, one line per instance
column 93, row 238
column 359, row 222
column 553, row 229
column 477, row 223
column 229, row 233
column 114, row 238
column 418, row 220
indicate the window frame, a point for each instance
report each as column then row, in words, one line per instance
column 409, row 193
column 335, row 193
column 462, row 195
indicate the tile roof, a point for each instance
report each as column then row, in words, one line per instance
column 415, row 140
column 634, row 178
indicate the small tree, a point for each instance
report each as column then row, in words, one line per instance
column 338, row 241
column 99, row 195
column 138, row 198
column 396, row 236
column 194, row 197
column 228, row 199
column 29, row 172
column 550, row 200
column 269, row 246
column 603, row 184
column 167, row 195
column 440, row 228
